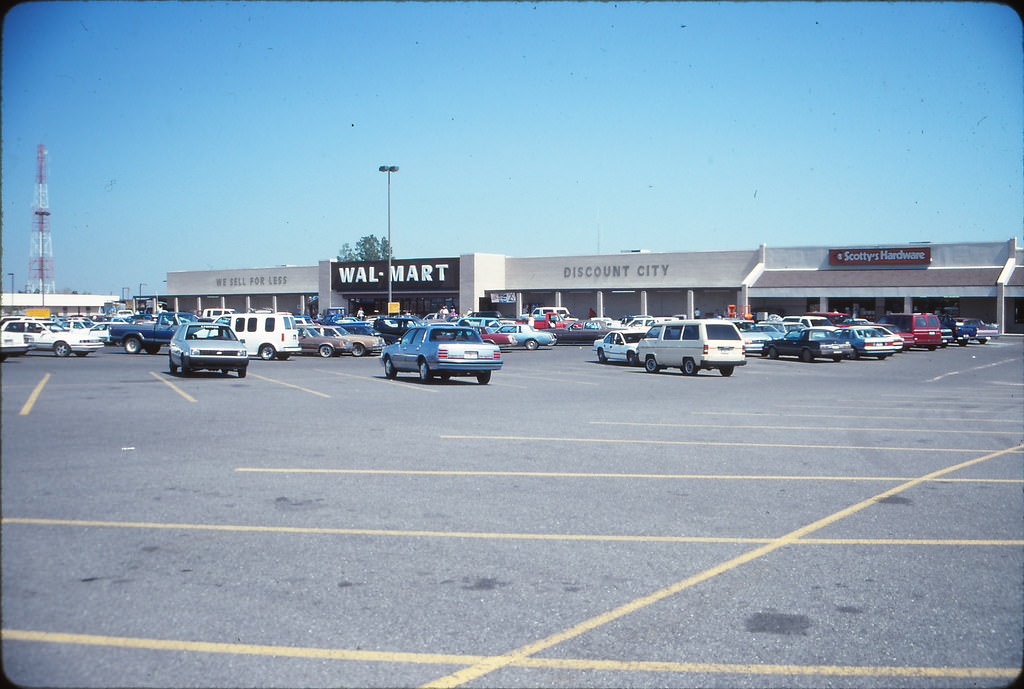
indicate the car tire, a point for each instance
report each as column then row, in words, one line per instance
column 358, row 349
column 631, row 358
column 424, row 370
column 484, row 377
column 185, row 368
column 283, row 356
column 61, row 348
column 727, row 370
column 390, row 372
column 837, row 359
column 326, row 351
column 689, row 367
column 151, row 349
column 242, row 372
column 601, row 357
column 651, row 365
column 267, row 352
column 982, row 340
column 806, row 356
column 773, row 353
column 171, row 366
column 531, row 344
column 132, row 345
column 855, row 354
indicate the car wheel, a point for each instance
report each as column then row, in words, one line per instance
column 773, row 353
column 727, row 370
column 241, row 373
column 631, row 358
column 601, row 357
column 171, row 366
column 326, row 351
column 185, row 369
column 651, row 365
column 152, row 349
column 425, row 374
column 358, row 349
column 531, row 344
column 283, row 356
column 132, row 345
column 982, row 340
column 484, row 377
column 390, row 372
column 806, row 356
column 62, row 349
column 837, row 359
column 689, row 366
column 267, row 352
column 855, row 354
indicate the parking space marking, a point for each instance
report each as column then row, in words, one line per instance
column 535, row 663
column 563, row 474
column 34, row 396
column 973, row 368
column 802, row 428
column 852, row 416
column 501, row 536
column 497, row 662
column 290, row 385
column 552, row 378
column 172, row 386
column 703, row 443
column 378, row 379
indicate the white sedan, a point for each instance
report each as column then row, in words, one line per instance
column 56, row 338
column 619, row 345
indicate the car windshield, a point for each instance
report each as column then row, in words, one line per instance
column 819, row 335
column 210, row 332
column 454, row 335
column 722, row 332
column 633, row 337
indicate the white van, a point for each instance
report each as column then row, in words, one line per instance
column 214, row 314
column 693, row 345
column 809, row 321
column 266, row 335
column 540, row 311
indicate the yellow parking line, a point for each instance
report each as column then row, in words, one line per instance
column 499, row 536
column 565, row 474
column 382, row 380
column 537, row 663
column 830, row 429
column 497, row 662
column 172, row 386
column 645, row 441
column 31, row 401
column 290, row 385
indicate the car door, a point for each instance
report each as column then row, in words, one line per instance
column 409, row 348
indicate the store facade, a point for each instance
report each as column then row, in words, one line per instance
column 977, row 279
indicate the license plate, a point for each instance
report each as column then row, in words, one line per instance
column 471, row 354
column 726, row 349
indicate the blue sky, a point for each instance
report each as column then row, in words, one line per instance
column 196, row 136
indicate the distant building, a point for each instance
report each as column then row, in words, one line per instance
column 59, row 304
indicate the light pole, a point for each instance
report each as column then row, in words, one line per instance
column 139, row 296
column 11, row 275
column 389, row 169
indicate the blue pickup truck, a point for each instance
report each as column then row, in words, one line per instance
column 967, row 329
column 148, row 337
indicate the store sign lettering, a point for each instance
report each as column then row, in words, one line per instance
column 252, row 281
column 616, row 271
column 866, row 257
column 366, row 275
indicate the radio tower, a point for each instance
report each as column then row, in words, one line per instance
column 40, row 266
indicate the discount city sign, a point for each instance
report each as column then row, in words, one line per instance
column 920, row 256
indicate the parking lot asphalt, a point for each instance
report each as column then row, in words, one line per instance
column 571, row 524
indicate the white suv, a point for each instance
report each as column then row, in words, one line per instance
column 693, row 345
column 266, row 335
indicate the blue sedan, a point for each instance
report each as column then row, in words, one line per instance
column 441, row 350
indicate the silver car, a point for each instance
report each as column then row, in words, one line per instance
column 206, row 346
column 442, row 350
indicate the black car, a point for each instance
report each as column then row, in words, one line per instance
column 391, row 328
column 809, row 344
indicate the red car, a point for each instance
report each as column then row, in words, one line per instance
column 500, row 339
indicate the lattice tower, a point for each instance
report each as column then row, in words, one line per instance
column 40, row 267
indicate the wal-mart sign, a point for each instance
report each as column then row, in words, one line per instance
column 406, row 274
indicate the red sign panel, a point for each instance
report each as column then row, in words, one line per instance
column 880, row 257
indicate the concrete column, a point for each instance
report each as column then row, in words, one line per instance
column 908, row 305
column 823, row 304
column 643, row 302
column 600, row 303
column 689, row 303
column 558, row 299
column 248, row 303
column 879, row 306
column 519, row 305
column 273, row 303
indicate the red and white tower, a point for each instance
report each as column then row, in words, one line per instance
column 40, row 266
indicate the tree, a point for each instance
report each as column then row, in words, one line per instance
column 368, row 248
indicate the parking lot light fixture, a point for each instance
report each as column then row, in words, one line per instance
column 389, row 169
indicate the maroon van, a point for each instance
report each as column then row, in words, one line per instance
column 919, row 329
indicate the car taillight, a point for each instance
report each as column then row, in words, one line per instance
column 442, row 352
column 705, row 349
column 497, row 353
